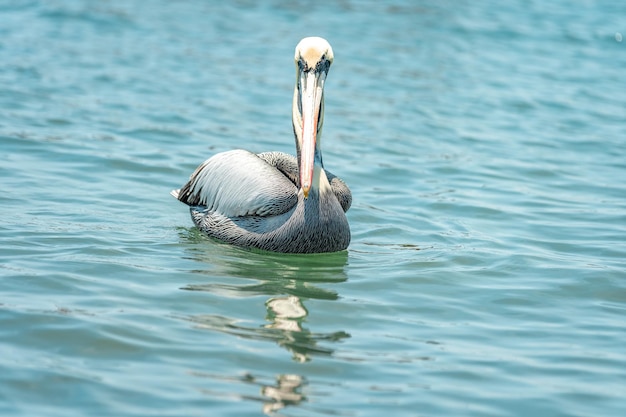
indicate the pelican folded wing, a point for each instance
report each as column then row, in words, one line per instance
column 239, row 183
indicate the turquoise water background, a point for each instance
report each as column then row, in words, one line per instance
column 485, row 146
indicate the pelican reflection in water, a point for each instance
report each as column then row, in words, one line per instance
column 274, row 201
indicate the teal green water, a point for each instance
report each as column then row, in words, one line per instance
column 485, row 146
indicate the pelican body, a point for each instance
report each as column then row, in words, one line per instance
column 274, row 201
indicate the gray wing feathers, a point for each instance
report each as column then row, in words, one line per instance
column 239, row 183
column 285, row 163
column 288, row 165
column 341, row 191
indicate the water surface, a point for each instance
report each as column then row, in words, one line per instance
column 485, row 146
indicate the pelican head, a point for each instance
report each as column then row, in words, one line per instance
column 313, row 58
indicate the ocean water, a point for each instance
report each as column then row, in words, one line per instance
column 485, row 146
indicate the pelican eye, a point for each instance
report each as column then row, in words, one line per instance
column 302, row 65
column 323, row 64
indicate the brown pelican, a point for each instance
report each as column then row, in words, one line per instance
column 274, row 201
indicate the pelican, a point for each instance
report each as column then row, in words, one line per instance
column 274, row 201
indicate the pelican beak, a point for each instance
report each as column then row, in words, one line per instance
column 311, row 89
